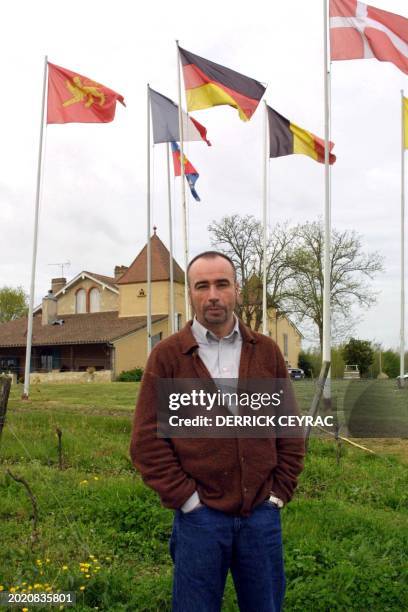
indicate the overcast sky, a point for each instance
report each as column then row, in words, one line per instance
column 93, row 207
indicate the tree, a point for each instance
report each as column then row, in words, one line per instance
column 350, row 268
column 241, row 238
column 13, row 303
column 391, row 363
column 359, row 352
column 305, row 363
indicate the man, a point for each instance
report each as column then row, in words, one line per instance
column 227, row 492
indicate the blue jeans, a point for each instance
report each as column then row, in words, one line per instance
column 205, row 543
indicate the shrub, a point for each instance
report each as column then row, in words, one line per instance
column 134, row 375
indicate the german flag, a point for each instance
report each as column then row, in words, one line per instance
column 209, row 84
column 286, row 138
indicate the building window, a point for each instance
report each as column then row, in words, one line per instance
column 50, row 359
column 80, row 301
column 285, row 345
column 156, row 338
column 94, row 300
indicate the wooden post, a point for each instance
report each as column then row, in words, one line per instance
column 5, row 385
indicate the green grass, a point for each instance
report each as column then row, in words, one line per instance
column 345, row 532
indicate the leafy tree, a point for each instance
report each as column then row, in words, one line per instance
column 13, row 303
column 312, row 357
column 391, row 363
column 241, row 238
column 306, row 364
column 337, row 362
column 359, row 352
column 350, row 267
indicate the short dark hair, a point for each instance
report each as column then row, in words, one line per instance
column 212, row 255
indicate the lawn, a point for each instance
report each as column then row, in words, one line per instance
column 104, row 535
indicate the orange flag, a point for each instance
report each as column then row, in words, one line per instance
column 73, row 98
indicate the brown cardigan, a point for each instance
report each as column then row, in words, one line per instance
column 233, row 475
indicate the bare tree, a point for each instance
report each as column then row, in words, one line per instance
column 241, row 238
column 350, row 269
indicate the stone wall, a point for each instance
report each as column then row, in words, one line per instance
column 102, row 376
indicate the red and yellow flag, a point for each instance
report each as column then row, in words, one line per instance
column 73, row 98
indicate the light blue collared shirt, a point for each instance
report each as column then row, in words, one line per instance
column 221, row 356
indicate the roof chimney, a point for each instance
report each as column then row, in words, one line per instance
column 57, row 284
column 49, row 309
column 119, row 270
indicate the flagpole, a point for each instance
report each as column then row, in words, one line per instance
column 183, row 186
column 170, row 241
column 35, row 238
column 402, row 346
column 326, row 353
column 264, row 218
column 149, row 253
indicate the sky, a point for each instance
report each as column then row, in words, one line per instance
column 93, row 205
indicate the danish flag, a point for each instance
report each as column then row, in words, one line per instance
column 360, row 31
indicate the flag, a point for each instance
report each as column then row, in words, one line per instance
column 405, row 103
column 208, row 84
column 286, row 138
column 190, row 172
column 165, row 120
column 360, row 31
column 73, row 98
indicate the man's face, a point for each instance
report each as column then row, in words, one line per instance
column 213, row 291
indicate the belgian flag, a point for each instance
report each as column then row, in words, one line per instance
column 286, row 138
column 209, row 84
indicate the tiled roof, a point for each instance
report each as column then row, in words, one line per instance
column 107, row 280
column 87, row 328
column 137, row 272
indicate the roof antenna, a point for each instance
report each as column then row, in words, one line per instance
column 65, row 264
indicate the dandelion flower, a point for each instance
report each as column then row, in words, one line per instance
column 1, row 587
column 65, row 567
column 87, row 576
column 82, row 588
